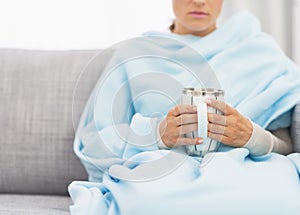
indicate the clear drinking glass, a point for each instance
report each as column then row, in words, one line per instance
column 197, row 96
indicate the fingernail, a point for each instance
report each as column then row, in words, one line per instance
column 199, row 141
column 208, row 101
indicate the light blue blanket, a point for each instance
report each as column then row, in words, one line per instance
column 117, row 137
column 224, row 183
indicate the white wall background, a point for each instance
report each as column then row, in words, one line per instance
column 73, row 24
column 92, row 24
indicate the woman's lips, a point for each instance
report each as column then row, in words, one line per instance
column 198, row 14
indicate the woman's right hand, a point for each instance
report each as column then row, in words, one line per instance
column 180, row 120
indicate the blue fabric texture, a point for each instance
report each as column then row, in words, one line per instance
column 116, row 139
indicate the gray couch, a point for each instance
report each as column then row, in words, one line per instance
column 40, row 106
column 42, row 95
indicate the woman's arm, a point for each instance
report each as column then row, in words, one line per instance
column 110, row 129
column 263, row 142
column 99, row 149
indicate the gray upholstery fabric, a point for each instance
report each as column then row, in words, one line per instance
column 295, row 129
column 34, row 205
column 36, row 95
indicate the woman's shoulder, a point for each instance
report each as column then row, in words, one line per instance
column 242, row 24
column 245, row 27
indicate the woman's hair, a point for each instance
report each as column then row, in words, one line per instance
column 172, row 26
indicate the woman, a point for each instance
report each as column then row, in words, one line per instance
column 199, row 18
column 262, row 86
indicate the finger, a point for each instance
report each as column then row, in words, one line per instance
column 216, row 119
column 220, row 105
column 183, row 109
column 185, row 129
column 183, row 141
column 219, row 137
column 186, row 119
column 217, row 129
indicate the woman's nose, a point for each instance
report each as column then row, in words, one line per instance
column 199, row 2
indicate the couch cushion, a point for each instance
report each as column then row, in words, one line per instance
column 29, row 204
column 36, row 107
column 295, row 128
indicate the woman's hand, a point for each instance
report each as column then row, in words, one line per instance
column 232, row 128
column 181, row 119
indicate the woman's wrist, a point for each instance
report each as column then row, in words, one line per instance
column 259, row 142
column 159, row 140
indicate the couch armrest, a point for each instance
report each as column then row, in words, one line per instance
column 295, row 128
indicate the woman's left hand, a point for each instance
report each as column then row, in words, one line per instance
column 232, row 128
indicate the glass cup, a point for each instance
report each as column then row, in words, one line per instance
column 197, row 96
